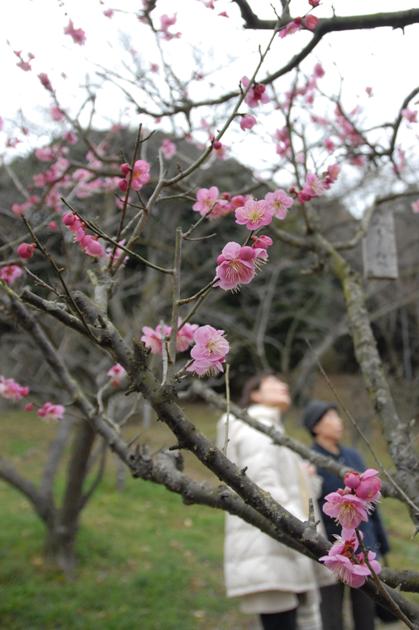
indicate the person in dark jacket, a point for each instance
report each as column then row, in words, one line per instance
column 322, row 420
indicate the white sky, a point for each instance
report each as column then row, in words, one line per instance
column 380, row 58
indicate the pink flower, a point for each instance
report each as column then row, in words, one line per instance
column 235, row 266
column 339, row 560
column 279, row 202
column 168, row 149
column 219, row 149
column 26, row 250
column 11, row 390
column 91, row 246
column 116, row 373
column 261, row 241
column 415, row 206
column 318, row 71
column 313, row 187
column 70, row 137
column 56, row 114
column 24, row 65
column 369, row 485
column 331, row 175
column 247, row 122
column 352, row 479
column 140, row 176
column 153, row 338
column 314, row 3
column 44, row 79
column 10, row 273
column 78, row 35
column 374, row 564
column 108, row 13
column 311, row 22
column 254, row 214
column 291, row 28
column 345, row 508
column 185, row 337
column 51, row 412
column 409, row 114
column 206, row 199
column 209, row 351
column 256, row 94
column 165, row 23
column 329, row 145
column 28, row 407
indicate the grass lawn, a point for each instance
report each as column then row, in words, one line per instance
column 145, row 560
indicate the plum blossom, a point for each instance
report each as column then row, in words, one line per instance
column 310, row 22
column 254, row 214
column 347, row 509
column 77, row 34
column 409, row 114
column 50, row 412
column 116, row 373
column 26, row 250
column 291, row 28
column 279, row 202
column 44, row 79
column 366, row 485
column 185, row 336
column 236, row 265
column 89, row 244
column 209, row 351
column 56, row 113
column 339, row 560
column 168, row 148
column 261, row 241
column 10, row 273
column 11, row 390
column 140, row 175
column 206, row 199
column 24, row 65
column 166, row 22
column 256, row 94
column 314, row 3
column 153, row 338
column 247, row 122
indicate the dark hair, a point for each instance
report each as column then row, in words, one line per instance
column 252, row 384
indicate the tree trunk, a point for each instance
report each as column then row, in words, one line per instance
column 60, row 549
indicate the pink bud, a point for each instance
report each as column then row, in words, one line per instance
column 352, row 479
column 26, row 250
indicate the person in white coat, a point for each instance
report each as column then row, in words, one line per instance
column 271, row 580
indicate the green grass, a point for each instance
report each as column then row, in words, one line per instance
column 145, row 560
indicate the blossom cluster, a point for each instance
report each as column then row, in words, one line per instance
column 153, row 338
column 50, row 412
column 11, row 390
column 140, row 175
column 210, row 346
column 350, row 506
column 89, row 244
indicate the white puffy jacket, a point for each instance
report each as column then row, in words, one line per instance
column 254, row 562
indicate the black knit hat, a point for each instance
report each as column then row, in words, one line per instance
column 314, row 412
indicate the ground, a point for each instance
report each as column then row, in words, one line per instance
column 145, row 560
